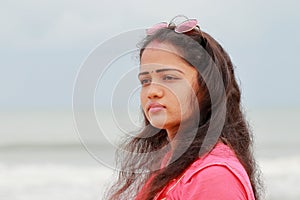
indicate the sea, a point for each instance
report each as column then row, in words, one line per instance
column 45, row 155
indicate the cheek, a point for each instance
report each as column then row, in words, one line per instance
column 182, row 101
column 143, row 99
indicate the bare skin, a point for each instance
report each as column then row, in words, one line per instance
column 168, row 83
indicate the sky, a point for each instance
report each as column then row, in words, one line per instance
column 44, row 43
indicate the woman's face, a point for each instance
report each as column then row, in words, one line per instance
column 168, row 85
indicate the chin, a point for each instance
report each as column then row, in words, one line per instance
column 158, row 125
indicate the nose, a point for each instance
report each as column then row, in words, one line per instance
column 155, row 91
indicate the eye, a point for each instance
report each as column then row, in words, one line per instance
column 145, row 81
column 169, row 78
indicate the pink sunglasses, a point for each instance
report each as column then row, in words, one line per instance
column 183, row 27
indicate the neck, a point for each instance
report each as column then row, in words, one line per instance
column 171, row 135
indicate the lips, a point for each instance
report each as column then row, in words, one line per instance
column 155, row 107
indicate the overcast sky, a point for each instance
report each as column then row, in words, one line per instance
column 43, row 44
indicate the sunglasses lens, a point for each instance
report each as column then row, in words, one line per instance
column 153, row 29
column 186, row 26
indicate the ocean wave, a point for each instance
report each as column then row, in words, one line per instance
column 52, row 181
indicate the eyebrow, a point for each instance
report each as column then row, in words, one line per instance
column 161, row 70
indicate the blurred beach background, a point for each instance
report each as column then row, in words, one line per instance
column 43, row 46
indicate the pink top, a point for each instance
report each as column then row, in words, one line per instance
column 217, row 175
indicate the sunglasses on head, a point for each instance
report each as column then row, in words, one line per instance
column 182, row 27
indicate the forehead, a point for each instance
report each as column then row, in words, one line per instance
column 158, row 55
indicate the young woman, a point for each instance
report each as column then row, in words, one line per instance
column 196, row 143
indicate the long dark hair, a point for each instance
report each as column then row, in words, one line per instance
column 201, row 51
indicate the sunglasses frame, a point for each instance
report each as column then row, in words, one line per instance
column 183, row 27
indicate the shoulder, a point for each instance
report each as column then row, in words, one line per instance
column 214, row 182
column 217, row 175
column 221, row 157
